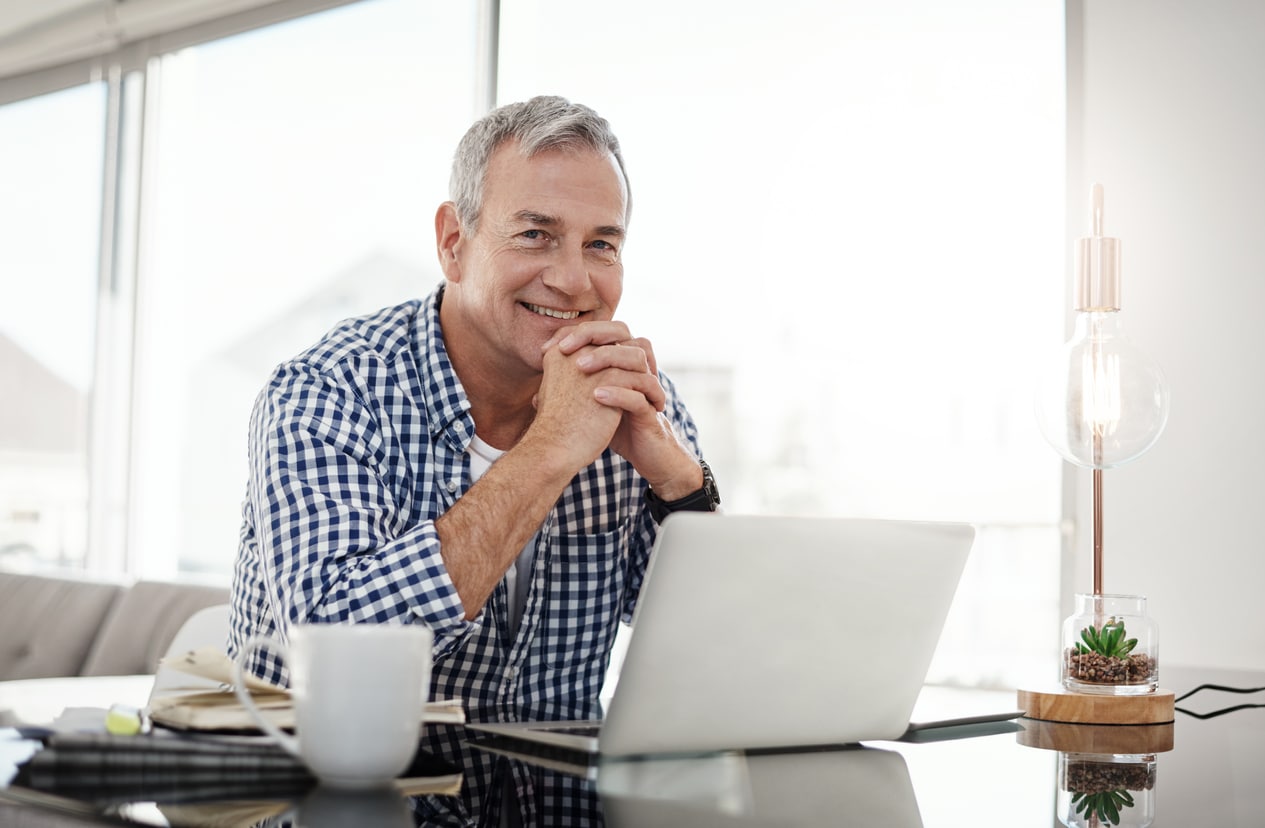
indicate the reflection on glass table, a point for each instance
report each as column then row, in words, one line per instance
column 1106, row 774
column 844, row 786
column 329, row 808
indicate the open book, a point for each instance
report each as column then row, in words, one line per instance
column 199, row 708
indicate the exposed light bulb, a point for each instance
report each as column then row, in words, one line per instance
column 1102, row 402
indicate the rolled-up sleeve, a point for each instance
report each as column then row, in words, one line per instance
column 350, row 461
column 341, row 540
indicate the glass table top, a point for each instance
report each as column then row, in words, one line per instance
column 1016, row 773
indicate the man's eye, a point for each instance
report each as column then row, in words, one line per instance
column 535, row 237
column 604, row 251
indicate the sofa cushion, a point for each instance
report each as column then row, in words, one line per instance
column 142, row 625
column 47, row 625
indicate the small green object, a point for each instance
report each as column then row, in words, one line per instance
column 1108, row 640
column 1106, row 805
column 123, row 720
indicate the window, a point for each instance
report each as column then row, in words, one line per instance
column 295, row 174
column 847, row 245
column 50, row 203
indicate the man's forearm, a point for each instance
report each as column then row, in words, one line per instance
column 486, row 529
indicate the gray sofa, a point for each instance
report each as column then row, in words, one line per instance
column 64, row 626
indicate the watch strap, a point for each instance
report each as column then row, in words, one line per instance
column 705, row 499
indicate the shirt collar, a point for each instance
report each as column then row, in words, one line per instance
column 444, row 398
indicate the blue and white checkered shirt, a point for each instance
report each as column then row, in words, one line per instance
column 356, row 447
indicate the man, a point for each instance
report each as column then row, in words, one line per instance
column 491, row 461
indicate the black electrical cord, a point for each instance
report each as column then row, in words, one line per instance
column 1223, row 711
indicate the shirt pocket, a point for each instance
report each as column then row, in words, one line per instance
column 586, row 583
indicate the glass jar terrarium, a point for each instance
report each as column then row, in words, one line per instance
column 1096, row 790
column 1110, row 646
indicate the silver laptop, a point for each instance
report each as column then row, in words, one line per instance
column 771, row 632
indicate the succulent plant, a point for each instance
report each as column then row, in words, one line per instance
column 1106, row 804
column 1108, row 640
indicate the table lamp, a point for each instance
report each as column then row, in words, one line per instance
column 1102, row 403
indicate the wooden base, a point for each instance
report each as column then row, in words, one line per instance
column 1062, row 705
column 1116, row 740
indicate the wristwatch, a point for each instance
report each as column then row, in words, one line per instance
column 705, row 499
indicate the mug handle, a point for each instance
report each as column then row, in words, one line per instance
column 288, row 742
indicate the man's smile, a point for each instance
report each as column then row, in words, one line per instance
column 550, row 312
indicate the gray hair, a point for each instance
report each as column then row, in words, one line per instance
column 546, row 122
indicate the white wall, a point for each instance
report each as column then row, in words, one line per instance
column 1166, row 110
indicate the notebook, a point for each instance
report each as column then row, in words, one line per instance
column 757, row 631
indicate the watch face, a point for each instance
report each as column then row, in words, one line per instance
column 709, row 485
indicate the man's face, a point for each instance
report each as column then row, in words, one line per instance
column 546, row 254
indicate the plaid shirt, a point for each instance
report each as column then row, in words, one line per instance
column 356, row 447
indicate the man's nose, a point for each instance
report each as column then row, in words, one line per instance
column 569, row 271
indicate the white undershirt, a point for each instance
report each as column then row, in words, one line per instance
column 518, row 576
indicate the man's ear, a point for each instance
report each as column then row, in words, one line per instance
column 449, row 240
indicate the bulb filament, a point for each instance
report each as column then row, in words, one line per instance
column 1100, row 400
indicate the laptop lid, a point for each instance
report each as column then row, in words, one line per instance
column 757, row 631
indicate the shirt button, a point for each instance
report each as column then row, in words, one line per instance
column 452, row 485
column 510, row 673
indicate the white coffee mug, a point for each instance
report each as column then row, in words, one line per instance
column 359, row 693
